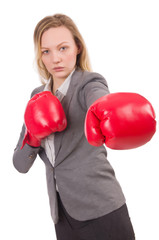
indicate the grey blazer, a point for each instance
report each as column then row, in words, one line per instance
column 86, row 181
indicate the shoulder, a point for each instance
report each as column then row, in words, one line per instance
column 90, row 87
column 37, row 90
column 89, row 78
column 92, row 75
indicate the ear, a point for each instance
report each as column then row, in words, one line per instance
column 79, row 49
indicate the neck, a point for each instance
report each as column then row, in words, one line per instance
column 57, row 84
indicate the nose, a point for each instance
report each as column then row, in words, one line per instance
column 55, row 57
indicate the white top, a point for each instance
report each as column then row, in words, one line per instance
column 48, row 142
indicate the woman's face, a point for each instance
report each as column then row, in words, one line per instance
column 59, row 52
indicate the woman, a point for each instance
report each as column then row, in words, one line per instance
column 86, row 199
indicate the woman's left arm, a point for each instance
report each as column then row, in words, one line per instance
column 92, row 89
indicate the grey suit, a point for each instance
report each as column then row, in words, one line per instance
column 86, row 181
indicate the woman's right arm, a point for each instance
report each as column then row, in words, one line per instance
column 24, row 158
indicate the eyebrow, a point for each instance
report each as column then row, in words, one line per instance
column 57, row 45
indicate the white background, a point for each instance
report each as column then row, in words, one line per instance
column 123, row 43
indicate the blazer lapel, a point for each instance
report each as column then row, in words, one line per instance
column 66, row 103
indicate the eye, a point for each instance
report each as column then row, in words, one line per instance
column 63, row 49
column 45, row 52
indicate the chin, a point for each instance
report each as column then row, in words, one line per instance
column 60, row 75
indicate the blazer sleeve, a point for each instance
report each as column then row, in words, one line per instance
column 24, row 158
column 92, row 89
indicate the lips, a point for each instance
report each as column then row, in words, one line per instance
column 58, row 69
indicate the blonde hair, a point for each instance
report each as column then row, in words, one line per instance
column 58, row 20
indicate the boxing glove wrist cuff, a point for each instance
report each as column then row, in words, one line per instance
column 30, row 140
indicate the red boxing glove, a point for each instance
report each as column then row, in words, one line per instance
column 44, row 115
column 121, row 121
